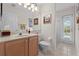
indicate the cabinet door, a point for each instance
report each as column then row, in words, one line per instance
column 1, row 49
column 33, row 46
column 26, row 47
column 15, row 48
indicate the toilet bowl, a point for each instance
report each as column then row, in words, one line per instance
column 45, row 44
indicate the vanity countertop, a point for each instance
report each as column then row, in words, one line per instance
column 15, row 37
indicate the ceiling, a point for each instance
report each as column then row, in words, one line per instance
column 63, row 6
column 58, row 7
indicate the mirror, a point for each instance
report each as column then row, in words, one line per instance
column 16, row 18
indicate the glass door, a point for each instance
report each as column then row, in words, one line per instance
column 68, row 28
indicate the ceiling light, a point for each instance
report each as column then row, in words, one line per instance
column 20, row 3
column 32, row 10
column 29, row 8
column 27, row 3
column 25, row 6
column 36, row 9
column 32, row 5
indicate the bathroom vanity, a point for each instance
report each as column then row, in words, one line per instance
column 19, row 45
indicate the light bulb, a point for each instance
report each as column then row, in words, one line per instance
column 32, row 5
column 36, row 8
column 29, row 8
column 19, row 3
column 25, row 6
column 27, row 3
column 32, row 10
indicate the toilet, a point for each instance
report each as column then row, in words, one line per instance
column 45, row 44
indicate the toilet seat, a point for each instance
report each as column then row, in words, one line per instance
column 45, row 43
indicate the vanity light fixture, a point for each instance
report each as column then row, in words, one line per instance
column 30, row 6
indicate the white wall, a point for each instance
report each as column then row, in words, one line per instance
column 47, row 30
column 76, row 29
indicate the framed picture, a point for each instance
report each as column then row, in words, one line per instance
column 30, row 22
column 77, row 20
column 35, row 21
column 47, row 19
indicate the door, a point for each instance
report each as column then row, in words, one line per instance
column 68, row 28
column 33, row 46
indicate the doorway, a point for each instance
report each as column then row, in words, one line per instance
column 68, row 28
column 65, row 29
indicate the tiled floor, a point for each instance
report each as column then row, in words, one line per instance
column 63, row 49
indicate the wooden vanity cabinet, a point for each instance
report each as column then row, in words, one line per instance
column 15, row 48
column 20, row 47
column 26, row 47
column 2, row 49
column 33, row 46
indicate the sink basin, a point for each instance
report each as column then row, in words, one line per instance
column 23, row 35
column 20, row 35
